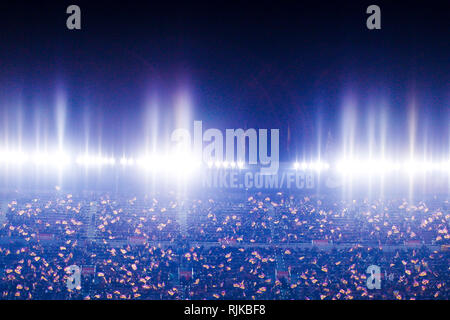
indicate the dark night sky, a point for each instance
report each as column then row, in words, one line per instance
column 265, row 64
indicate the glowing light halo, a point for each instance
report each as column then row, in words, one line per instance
column 314, row 165
column 59, row 159
column 184, row 162
column 90, row 160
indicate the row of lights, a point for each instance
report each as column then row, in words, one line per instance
column 346, row 166
column 155, row 162
column 384, row 166
column 349, row 166
column 149, row 162
column 51, row 159
column 226, row 164
column 317, row 166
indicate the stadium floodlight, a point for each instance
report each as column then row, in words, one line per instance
column 411, row 166
column 89, row 161
column 319, row 166
column 187, row 164
column 58, row 159
column 181, row 163
column 141, row 162
column 346, row 166
column 13, row 157
column 378, row 166
column 420, row 166
column 178, row 162
column 41, row 158
column 152, row 163
column 382, row 166
column 445, row 166
column 355, row 166
column 126, row 161
column 370, row 166
column 81, row 160
column 428, row 166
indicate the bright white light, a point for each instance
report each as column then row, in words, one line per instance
column 348, row 166
column 54, row 159
column 379, row 166
column 180, row 163
column 41, row 158
column 152, row 163
column 445, row 166
column 185, row 164
column 89, row 161
column 420, row 166
column 225, row 164
column 13, row 157
column 61, row 159
column 319, row 166
column 382, row 166
column 412, row 166
column 127, row 161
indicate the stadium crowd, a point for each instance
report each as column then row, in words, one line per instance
column 163, row 247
